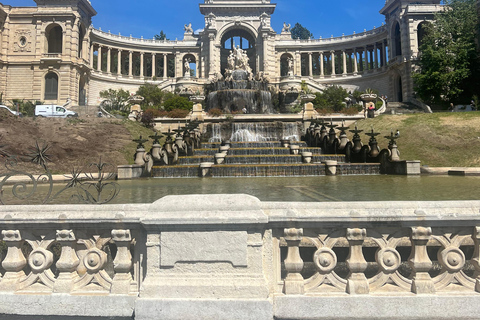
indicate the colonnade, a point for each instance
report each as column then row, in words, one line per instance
column 338, row 62
column 138, row 63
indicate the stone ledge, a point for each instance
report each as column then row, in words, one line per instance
column 406, row 307
column 109, row 307
column 184, row 309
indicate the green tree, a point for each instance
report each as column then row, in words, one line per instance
column 161, row 36
column 153, row 96
column 332, row 97
column 448, row 63
column 177, row 102
column 115, row 100
column 300, row 32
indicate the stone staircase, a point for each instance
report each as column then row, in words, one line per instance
column 259, row 159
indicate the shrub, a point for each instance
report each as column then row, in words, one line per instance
column 115, row 100
column 350, row 111
column 178, row 102
column 153, row 95
column 27, row 108
column 324, row 111
column 332, row 97
column 215, row 112
column 178, row 113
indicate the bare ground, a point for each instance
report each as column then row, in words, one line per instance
column 73, row 142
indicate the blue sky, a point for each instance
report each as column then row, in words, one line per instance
column 147, row 17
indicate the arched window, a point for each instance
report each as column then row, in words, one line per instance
column 237, row 38
column 397, row 40
column 51, row 86
column 421, row 31
column 190, row 62
column 54, row 34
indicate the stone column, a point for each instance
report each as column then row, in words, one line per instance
column 293, row 283
column 344, row 57
column 99, row 60
column 109, row 60
column 154, row 65
column 265, row 51
column 165, row 58
column 298, row 63
column 355, row 62
column 420, row 262
column 332, row 54
column 130, row 63
column 361, row 62
column 211, row 38
column 384, row 54
column 310, row 65
column 142, row 64
column 371, row 60
column 68, row 262
column 322, row 71
column 91, row 55
column 119, row 62
column 375, row 48
column 357, row 282
column 365, row 50
column 14, row 261
column 122, row 280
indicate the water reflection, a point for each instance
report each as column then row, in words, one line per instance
column 317, row 189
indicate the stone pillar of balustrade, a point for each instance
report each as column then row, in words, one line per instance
column 14, row 261
column 344, row 58
column 357, row 282
column 476, row 256
column 122, row 265
column 294, row 282
column 420, row 262
column 67, row 263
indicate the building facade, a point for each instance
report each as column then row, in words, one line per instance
column 52, row 53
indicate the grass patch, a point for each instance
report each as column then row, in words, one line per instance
column 437, row 140
column 136, row 130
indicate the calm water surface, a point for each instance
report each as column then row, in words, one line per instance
column 317, row 189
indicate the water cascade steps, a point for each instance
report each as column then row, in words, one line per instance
column 259, row 159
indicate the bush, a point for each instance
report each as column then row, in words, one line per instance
column 350, row 111
column 324, row 111
column 178, row 113
column 153, row 96
column 215, row 112
column 178, row 102
column 115, row 100
column 27, row 108
column 332, row 97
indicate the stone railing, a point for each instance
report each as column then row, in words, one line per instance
column 235, row 257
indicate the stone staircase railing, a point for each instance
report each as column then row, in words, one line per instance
column 235, row 257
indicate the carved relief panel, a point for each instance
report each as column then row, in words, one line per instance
column 22, row 41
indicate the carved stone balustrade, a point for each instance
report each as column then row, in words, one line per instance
column 235, row 257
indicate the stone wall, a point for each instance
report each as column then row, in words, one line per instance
column 235, row 257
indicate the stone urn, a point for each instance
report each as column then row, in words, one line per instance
column 368, row 101
column 285, row 143
column 206, row 169
column 331, row 167
column 220, row 157
column 307, row 157
column 307, row 97
column 294, row 149
column 224, row 149
column 197, row 99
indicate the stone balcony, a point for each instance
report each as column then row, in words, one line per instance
column 235, row 257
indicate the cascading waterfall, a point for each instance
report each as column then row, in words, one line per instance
column 291, row 131
column 252, row 132
column 216, row 133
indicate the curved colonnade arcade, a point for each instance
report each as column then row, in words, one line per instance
column 71, row 59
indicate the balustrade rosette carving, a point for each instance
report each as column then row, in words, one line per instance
column 421, row 260
column 65, row 261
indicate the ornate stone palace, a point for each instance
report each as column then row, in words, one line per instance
column 52, row 53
